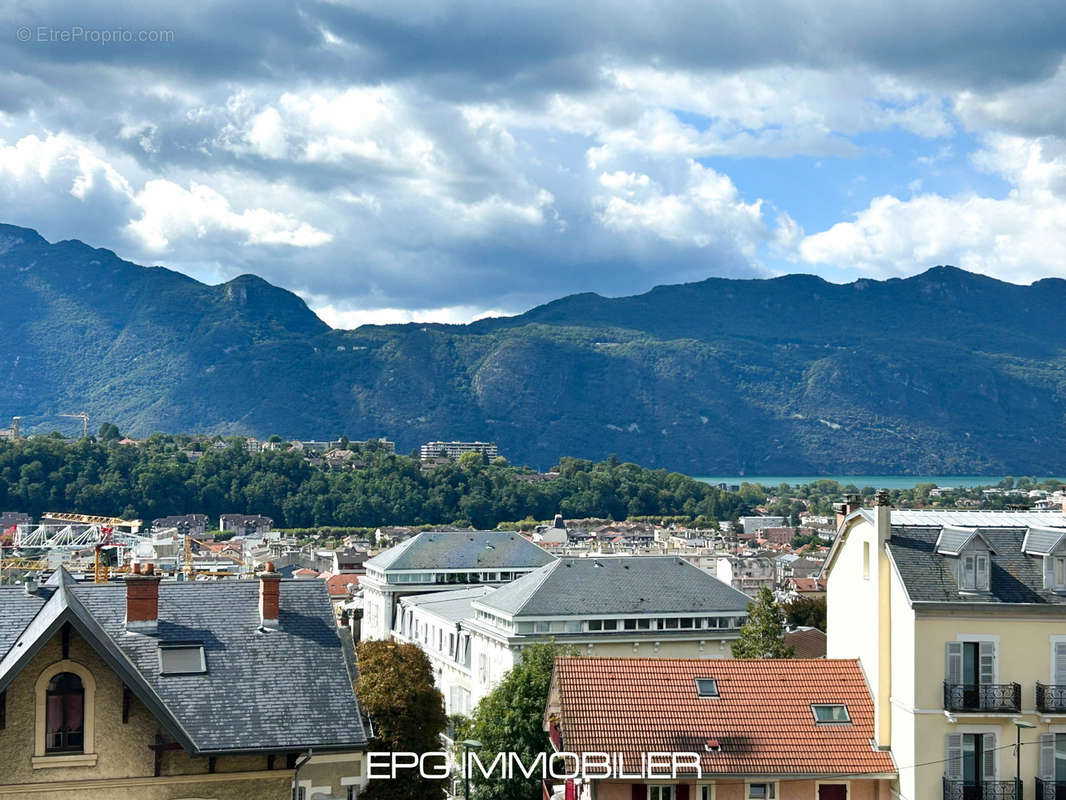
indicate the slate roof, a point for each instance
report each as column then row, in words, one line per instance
column 762, row 719
column 1043, row 541
column 928, row 576
column 972, row 519
column 284, row 690
column 616, row 585
column 806, row 643
column 462, row 550
column 453, row 606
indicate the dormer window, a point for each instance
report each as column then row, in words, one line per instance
column 973, row 572
column 1055, row 573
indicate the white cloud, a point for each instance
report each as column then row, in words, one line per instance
column 1019, row 237
column 450, row 315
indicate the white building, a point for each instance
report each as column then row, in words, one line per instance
column 628, row 606
column 453, row 450
column 755, row 524
column 437, row 561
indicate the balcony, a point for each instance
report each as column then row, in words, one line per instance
column 1051, row 699
column 1050, row 790
column 993, row 698
column 987, row 790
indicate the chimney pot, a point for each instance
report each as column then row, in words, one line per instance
column 136, row 568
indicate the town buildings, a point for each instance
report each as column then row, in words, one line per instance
column 437, row 561
column 245, row 524
column 194, row 525
column 632, row 606
column 761, row 729
column 452, row 450
column 959, row 621
column 144, row 689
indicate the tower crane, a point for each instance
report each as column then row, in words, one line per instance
column 84, row 422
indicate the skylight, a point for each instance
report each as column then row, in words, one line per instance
column 182, row 658
column 706, row 687
column 830, row 712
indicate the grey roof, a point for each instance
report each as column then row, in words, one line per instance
column 288, row 689
column 953, row 541
column 928, row 576
column 1042, row 541
column 452, row 606
column 616, row 585
column 462, row 550
column 973, row 519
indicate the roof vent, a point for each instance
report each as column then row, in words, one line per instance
column 712, row 746
column 30, row 585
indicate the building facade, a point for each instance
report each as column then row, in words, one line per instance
column 452, row 450
column 165, row 691
column 436, row 561
column 626, row 606
column 959, row 620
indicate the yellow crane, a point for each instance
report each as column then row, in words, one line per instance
column 84, row 421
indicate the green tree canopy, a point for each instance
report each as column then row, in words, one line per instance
column 396, row 689
column 807, row 612
column 510, row 719
column 763, row 635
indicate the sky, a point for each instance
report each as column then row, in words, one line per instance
column 442, row 161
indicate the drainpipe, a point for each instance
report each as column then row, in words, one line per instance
column 296, row 774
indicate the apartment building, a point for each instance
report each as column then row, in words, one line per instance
column 436, row 561
column 452, row 450
column 169, row 691
column 624, row 606
column 959, row 621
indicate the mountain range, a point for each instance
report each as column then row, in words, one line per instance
column 945, row 372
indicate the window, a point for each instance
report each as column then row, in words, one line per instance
column 595, row 624
column 573, row 627
column 65, row 714
column 705, row 792
column 706, row 687
column 540, row 627
column 660, row 793
column 185, row 658
column 762, row 791
column 353, row 792
column 973, row 572
column 610, row 624
column 1055, row 573
column 830, row 713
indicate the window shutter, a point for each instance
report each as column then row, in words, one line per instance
column 639, row 792
column 1059, row 678
column 1047, row 756
column 1049, row 572
column 953, row 668
column 988, row 740
column 953, row 751
column 682, row 791
column 982, row 573
column 987, row 654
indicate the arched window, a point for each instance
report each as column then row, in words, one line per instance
column 65, row 714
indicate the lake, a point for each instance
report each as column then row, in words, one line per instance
column 876, row 481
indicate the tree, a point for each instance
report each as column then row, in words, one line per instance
column 471, row 460
column 396, row 689
column 509, row 720
column 763, row 635
column 109, row 432
column 806, row 612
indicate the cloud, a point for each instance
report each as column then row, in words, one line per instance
column 436, row 158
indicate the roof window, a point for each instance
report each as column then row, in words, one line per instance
column 830, row 712
column 182, row 658
column 707, row 687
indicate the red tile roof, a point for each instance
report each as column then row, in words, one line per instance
column 762, row 718
column 806, row 643
column 338, row 585
column 809, row 584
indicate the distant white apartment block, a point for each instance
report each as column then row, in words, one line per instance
column 453, row 450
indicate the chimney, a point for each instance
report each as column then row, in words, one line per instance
column 883, row 517
column 142, row 599
column 269, row 596
column 852, row 503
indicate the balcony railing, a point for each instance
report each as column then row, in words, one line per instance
column 989, row 697
column 986, row 790
column 1050, row 790
column 1051, row 698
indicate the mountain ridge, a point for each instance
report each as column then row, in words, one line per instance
column 942, row 372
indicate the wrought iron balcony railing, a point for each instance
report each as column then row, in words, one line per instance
column 990, row 697
column 1050, row 790
column 986, row 790
column 1051, row 698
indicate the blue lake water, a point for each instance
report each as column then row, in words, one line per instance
column 876, row 481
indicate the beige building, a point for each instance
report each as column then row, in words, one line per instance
column 620, row 606
column 155, row 691
column 959, row 621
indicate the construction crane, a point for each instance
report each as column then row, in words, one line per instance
column 84, row 422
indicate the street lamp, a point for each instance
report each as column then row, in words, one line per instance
column 1018, row 725
column 467, row 744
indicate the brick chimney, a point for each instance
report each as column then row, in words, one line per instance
column 142, row 599
column 852, row 503
column 269, row 596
